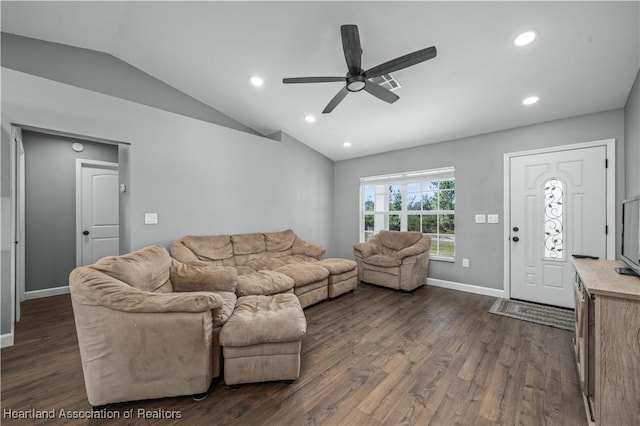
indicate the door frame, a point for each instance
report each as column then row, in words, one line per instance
column 17, row 256
column 610, row 147
column 80, row 163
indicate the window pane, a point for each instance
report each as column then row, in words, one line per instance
column 430, row 186
column 447, row 200
column 434, row 244
column 430, row 201
column 447, row 245
column 553, row 215
column 394, row 222
column 368, row 234
column 447, row 224
column 414, row 201
column 369, row 197
column 368, row 222
column 413, row 223
column 430, row 224
column 395, row 197
column 413, row 187
column 447, row 184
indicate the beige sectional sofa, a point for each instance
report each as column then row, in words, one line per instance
column 272, row 263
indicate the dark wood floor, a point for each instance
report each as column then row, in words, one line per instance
column 375, row 356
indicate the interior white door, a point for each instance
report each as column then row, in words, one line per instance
column 558, row 208
column 99, row 221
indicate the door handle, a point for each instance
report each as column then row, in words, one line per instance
column 85, row 232
column 515, row 239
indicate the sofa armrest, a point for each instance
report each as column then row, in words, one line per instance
column 301, row 246
column 423, row 245
column 131, row 356
column 365, row 249
column 202, row 277
column 92, row 287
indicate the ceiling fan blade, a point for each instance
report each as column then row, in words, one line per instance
column 351, row 47
column 402, row 62
column 313, row 80
column 336, row 100
column 381, row 93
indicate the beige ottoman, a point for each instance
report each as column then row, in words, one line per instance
column 264, row 283
column 262, row 339
column 343, row 275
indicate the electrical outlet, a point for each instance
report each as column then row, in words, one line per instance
column 465, row 263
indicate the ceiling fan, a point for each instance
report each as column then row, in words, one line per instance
column 358, row 79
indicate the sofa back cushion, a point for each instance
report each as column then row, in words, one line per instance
column 279, row 241
column 209, row 247
column 397, row 240
column 147, row 269
column 248, row 243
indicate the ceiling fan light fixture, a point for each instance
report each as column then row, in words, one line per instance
column 525, row 38
column 356, row 83
column 530, row 100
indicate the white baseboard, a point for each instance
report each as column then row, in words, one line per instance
column 37, row 294
column 6, row 340
column 469, row 288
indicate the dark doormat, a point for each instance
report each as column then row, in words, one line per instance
column 533, row 312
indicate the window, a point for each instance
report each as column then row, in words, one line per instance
column 553, row 215
column 423, row 201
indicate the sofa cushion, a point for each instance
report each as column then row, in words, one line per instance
column 212, row 247
column 264, row 263
column 147, row 269
column 263, row 283
column 264, row 319
column 279, row 241
column 397, row 240
column 248, row 243
column 304, row 273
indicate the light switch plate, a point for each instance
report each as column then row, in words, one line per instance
column 480, row 218
column 493, row 218
column 151, row 218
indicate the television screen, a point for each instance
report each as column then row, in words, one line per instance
column 631, row 233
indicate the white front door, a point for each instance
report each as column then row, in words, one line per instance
column 558, row 208
column 98, row 209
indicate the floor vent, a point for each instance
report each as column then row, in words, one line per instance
column 387, row 81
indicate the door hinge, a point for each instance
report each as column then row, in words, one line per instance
column 606, row 229
column 606, row 163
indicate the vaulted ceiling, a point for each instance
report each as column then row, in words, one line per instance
column 584, row 60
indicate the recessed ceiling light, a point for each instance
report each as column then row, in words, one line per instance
column 530, row 100
column 347, row 144
column 309, row 118
column 524, row 38
column 256, row 81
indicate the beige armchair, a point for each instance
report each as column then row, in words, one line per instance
column 148, row 325
column 394, row 259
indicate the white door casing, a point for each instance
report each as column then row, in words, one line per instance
column 558, row 204
column 97, row 220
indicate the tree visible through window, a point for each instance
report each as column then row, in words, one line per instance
column 416, row 201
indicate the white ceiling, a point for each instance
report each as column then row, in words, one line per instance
column 584, row 60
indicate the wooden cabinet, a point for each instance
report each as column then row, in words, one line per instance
column 607, row 341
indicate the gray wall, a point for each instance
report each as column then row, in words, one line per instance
column 479, row 187
column 50, row 205
column 632, row 140
column 104, row 73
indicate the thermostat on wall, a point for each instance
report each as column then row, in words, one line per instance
column 77, row 147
